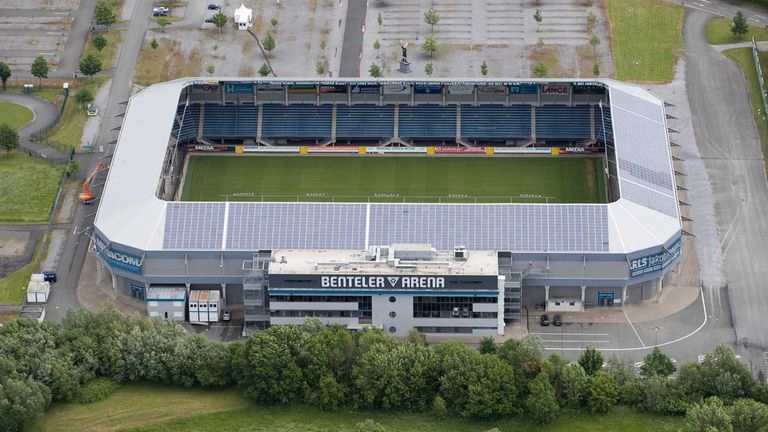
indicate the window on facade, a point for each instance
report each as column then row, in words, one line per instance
column 451, row 307
column 392, row 329
column 392, row 314
column 392, row 299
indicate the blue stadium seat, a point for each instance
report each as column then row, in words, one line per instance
column 427, row 121
column 191, row 120
column 296, row 121
column 220, row 120
column 562, row 122
column 496, row 122
column 365, row 121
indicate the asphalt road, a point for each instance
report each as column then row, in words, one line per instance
column 728, row 143
column 63, row 295
column 70, row 56
column 353, row 39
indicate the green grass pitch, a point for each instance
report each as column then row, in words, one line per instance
column 432, row 179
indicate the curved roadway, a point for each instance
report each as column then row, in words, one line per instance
column 44, row 114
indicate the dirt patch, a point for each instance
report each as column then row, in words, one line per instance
column 587, row 59
column 167, row 62
column 20, row 246
column 550, row 56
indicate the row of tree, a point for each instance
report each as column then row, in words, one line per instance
column 330, row 368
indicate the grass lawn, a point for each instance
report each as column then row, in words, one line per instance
column 743, row 57
column 645, row 36
column 318, row 178
column 162, row 409
column 107, row 54
column 27, row 187
column 14, row 286
column 719, row 32
column 14, row 115
column 67, row 134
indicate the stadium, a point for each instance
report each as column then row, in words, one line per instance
column 441, row 205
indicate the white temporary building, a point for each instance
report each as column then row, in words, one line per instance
column 37, row 291
column 243, row 17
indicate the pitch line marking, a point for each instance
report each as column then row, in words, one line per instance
column 681, row 338
column 634, row 329
column 575, row 341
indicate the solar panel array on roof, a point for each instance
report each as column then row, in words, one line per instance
column 649, row 198
column 296, row 226
column 193, row 225
column 577, row 228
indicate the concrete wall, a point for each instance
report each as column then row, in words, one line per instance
column 169, row 310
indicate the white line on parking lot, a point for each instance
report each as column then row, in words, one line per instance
column 569, row 334
column 634, row 330
column 574, row 341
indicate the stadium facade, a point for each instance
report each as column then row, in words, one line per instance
column 444, row 268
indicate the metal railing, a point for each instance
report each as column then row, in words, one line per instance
column 760, row 79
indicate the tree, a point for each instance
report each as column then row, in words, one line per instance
column 377, row 46
column 416, row 337
column 90, row 65
column 594, row 41
column 39, row 69
column 73, row 167
column 269, row 43
column 429, row 46
column 331, row 394
column 541, row 402
column 429, row 68
column 5, row 73
column 9, row 138
column 83, row 97
column 21, row 401
column 484, row 68
column 99, row 42
column 591, row 20
column 539, row 43
column 537, row 17
column 748, row 415
column 656, row 363
column 603, row 392
column 487, row 345
column 219, row 19
column 574, row 385
column 380, row 20
column 432, row 17
column 439, row 408
column 540, row 70
column 591, row 360
column 620, row 371
column 489, row 389
column 596, row 69
column 273, row 21
column 264, row 70
column 104, row 15
column 739, row 26
column 320, row 67
column 710, row 416
column 162, row 22
column 374, row 70
column 154, row 44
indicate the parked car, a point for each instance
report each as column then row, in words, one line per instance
column 558, row 321
column 160, row 11
column 92, row 111
column 49, row 276
column 227, row 315
column 209, row 20
column 213, row 6
column 455, row 313
column 544, row 320
column 465, row 312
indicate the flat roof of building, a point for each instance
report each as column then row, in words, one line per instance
column 166, row 294
column 646, row 215
column 358, row 262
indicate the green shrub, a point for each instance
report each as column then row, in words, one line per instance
column 96, row 390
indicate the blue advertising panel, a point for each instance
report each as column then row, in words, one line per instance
column 427, row 88
column 236, row 87
column 365, row 88
column 122, row 260
column 651, row 263
column 523, row 88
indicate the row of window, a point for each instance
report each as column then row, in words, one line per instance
column 320, row 314
column 454, row 330
column 319, row 298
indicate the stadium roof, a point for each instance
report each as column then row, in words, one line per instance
column 645, row 216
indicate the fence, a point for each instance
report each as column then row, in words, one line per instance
column 387, row 198
column 760, row 79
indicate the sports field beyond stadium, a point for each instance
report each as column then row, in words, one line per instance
column 449, row 179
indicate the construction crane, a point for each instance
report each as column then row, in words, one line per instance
column 86, row 196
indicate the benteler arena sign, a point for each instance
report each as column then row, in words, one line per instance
column 383, row 282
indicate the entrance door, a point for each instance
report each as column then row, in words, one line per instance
column 605, row 298
column 137, row 290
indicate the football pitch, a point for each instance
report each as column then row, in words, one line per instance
column 449, row 179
